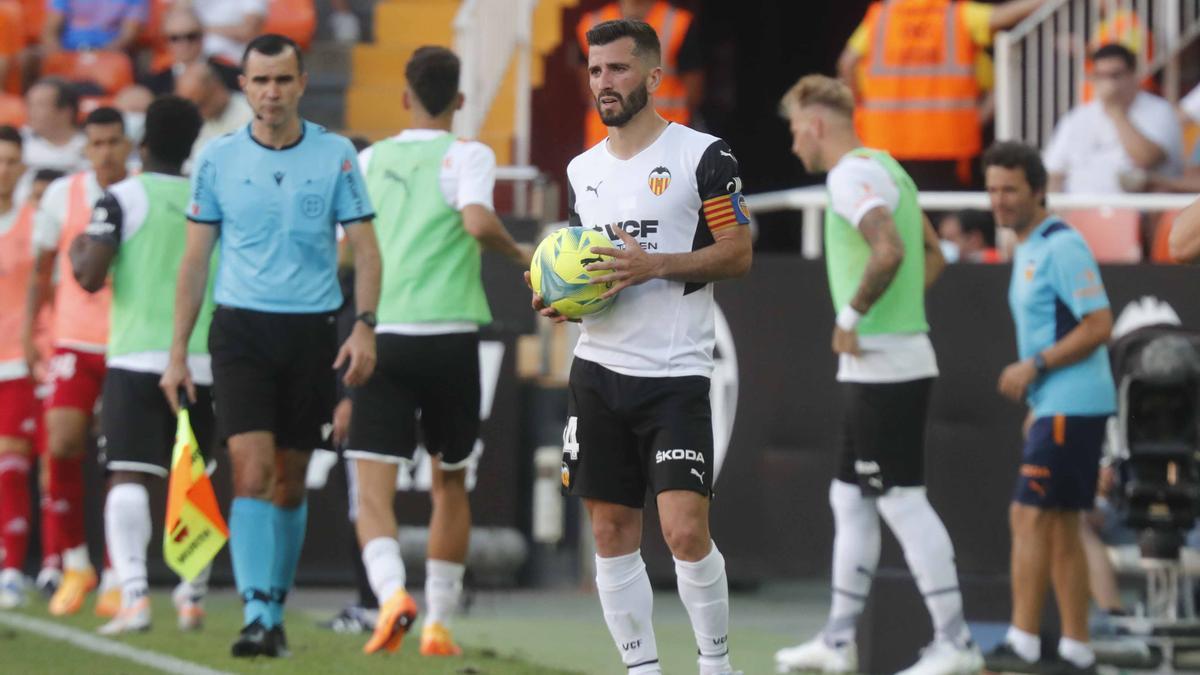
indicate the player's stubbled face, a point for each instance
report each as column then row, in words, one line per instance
column 619, row 80
column 1013, row 200
column 10, row 167
column 273, row 86
column 107, row 147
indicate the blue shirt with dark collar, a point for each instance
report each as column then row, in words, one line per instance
column 1055, row 283
column 278, row 211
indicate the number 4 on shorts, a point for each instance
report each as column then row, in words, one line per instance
column 570, row 443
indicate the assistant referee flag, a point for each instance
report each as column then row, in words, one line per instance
column 194, row 530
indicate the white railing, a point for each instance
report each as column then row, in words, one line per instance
column 811, row 202
column 487, row 34
column 1041, row 64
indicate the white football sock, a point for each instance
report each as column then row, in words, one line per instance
column 127, row 532
column 856, row 545
column 930, row 557
column 628, row 604
column 704, row 590
column 1027, row 645
column 443, row 587
column 385, row 567
column 77, row 558
column 1078, row 653
column 197, row 588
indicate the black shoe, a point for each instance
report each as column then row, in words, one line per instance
column 1003, row 659
column 1065, row 667
column 254, row 640
column 279, row 639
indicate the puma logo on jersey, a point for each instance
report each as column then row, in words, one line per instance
column 727, row 154
column 596, row 189
column 699, row 475
column 395, row 177
column 866, row 468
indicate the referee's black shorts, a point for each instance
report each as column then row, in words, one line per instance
column 274, row 372
column 883, row 434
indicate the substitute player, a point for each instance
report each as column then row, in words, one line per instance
column 137, row 233
column 274, row 192
column 18, row 407
column 433, row 193
column 80, row 334
column 882, row 254
column 638, row 399
column 1063, row 323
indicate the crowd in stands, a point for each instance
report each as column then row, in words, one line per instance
column 61, row 59
column 922, row 73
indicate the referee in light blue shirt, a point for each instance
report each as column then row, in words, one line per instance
column 273, row 194
column 1063, row 322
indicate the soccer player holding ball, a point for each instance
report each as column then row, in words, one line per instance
column 882, row 254
column 669, row 198
column 433, row 193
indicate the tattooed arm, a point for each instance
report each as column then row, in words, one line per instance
column 887, row 252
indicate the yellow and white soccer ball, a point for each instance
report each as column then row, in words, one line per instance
column 558, row 275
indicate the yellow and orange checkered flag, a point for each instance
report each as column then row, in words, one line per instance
column 194, row 530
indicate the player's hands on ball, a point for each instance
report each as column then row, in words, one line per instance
column 359, row 350
column 177, row 376
column 539, row 305
column 630, row 265
column 1016, row 378
column 845, row 341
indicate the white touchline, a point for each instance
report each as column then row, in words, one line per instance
column 99, row 645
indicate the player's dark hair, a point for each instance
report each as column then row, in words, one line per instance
column 645, row 39
column 47, row 175
column 105, row 115
column 172, row 124
column 1114, row 50
column 432, row 74
column 1016, row 155
column 273, row 44
column 66, row 94
column 10, row 134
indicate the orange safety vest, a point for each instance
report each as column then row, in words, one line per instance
column 80, row 318
column 16, row 268
column 919, row 95
column 672, row 24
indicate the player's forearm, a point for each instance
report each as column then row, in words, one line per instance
column 1092, row 332
column 367, row 275
column 881, row 270
column 727, row 258
column 1011, row 13
column 935, row 262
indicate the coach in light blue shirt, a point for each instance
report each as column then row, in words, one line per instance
column 1063, row 322
column 273, row 194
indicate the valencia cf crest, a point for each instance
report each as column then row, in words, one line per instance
column 660, row 179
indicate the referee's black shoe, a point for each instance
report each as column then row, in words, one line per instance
column 279, row 640
column 1003, row 659
column 254, row 640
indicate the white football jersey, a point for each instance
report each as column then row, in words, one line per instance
column 670, row 197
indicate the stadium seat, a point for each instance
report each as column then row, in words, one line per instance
column 296, row 19
column 1113, row 234
column 1160, row 249
column 111, row 71
column 33, row 13
column 11, row 19
column 12, row 110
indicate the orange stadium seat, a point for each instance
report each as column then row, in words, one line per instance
column 12, row 110
column 12, row 41
column 1114, row 235
column 296, row 19
column 111, row 71
column 34, row 14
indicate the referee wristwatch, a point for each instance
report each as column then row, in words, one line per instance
column 367, row 318
column 1039, row 363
